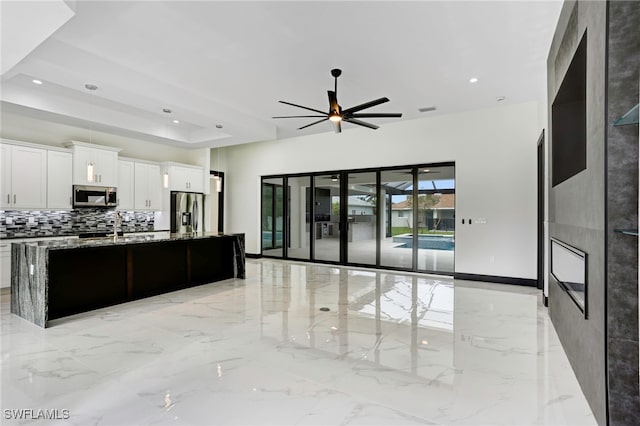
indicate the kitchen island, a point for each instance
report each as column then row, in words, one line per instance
column 54, row 279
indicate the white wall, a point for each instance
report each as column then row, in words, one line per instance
column 495, row 155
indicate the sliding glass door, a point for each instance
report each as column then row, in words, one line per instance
column 272, row 216
column 299, row 217
column 326, row 221
column 361, row 218
column 396, row 245
column 400, row 218
column 436, row 218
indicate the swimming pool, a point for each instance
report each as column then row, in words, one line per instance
column 267, row 239
column 434, row 242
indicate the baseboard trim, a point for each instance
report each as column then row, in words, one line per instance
column 253, row 255
column 496, row 279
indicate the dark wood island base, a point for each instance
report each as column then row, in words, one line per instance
column 55, row 279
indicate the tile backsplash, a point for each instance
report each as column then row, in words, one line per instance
column 21, row 224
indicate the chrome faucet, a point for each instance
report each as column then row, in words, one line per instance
column 117, row 221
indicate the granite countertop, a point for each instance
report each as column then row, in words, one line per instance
column 125, row 240
column 69, row 235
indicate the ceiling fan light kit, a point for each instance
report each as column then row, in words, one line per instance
column 336, row 115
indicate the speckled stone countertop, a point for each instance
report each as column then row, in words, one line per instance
column 71, row 235
column 121, row 240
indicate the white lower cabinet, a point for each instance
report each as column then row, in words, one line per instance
column 5, row 255
column 5, row 263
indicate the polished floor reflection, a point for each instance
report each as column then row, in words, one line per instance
column 393, row 349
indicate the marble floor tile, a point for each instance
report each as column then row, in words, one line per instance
column 393, row 349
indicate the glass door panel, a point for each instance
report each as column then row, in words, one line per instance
column 299, row 208
column 327, row 218
column 397, row 241
column 272, row 216
column 436, row 218
column 361, row 218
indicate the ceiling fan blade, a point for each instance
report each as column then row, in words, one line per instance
column 376, row 115
column 336, row 126
column 333, row 102
column 303, row 107
column 300, row 116
column 360, row 123
column 315, row 122
column 365, row 105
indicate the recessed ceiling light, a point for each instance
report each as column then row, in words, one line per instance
column 501, row 98
column 90, row 86
column 427, row 109
column 37, row 81
column 166, row 110
column 176, row 121
column 218, row 126
column 473, row 80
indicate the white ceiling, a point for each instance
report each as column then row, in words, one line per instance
column 229, row 63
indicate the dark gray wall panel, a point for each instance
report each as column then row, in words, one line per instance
column 577, row 205
column 622, row 213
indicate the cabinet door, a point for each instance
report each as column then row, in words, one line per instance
column 28, row 177
column 106, row 167
column 82, row 157
column 153, row 186
column 5, row 263
column 195, row 180
column 59, row 180
column 126, row 189
column 140, row 187
column 178, row 178
column 5, row 177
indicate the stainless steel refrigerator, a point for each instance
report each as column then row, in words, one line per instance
column 187, row 212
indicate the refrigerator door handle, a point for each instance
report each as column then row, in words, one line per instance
column 195, row 215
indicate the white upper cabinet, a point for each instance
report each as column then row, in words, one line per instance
column 24, row 177
column 125, row 185
column 147, row 186
column 94, row 164
column 59, row 179
column 186, row 178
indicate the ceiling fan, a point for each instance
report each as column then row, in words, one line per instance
column 337, row 115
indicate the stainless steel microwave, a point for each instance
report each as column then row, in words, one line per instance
column 94, row 196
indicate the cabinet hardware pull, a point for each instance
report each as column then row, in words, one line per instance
column 14, row 198
column 8, row 198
